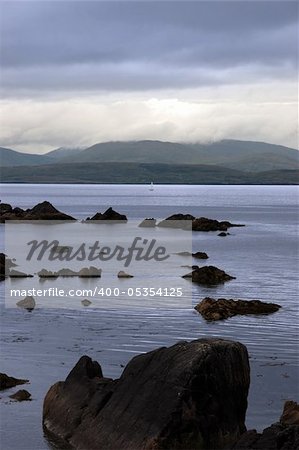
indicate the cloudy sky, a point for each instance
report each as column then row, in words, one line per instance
column 76, row 73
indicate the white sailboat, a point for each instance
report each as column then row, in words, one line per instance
column 151, row 186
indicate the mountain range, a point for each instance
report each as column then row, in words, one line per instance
column 223, row 162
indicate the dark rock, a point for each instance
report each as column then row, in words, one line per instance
column 200, row 255
column 41, row 211
column 222, row 234
column 5, row 207
column 191, row 395
column 148, row 223
column 197, row 255
column 208, row 275
column 21, row 395
column 109, row 214
column 7, row 382
column 222, row 308
column 279, row 436
column 204, row 224
column 198, row 223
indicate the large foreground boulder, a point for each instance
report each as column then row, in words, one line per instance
column 41, row 211
column 188, row 396
column 208, row 275
column 212, row 309
column 279, row 436
column 109, row 214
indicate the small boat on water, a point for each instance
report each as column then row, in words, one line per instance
column 151, row 186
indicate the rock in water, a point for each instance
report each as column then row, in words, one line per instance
column 208, row 275
column 27, row 303
column 21, row 395
column 191, row 395
column 86, row 302
column 222, row 308
column 148, row 223
column 7, row 382
column 122, row 274
column 41, row 211
column 109, row 214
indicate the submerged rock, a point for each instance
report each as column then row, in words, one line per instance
column 191, row 395
column 109, row 214
column 21, row 395
column 208, row 275
column 7, row 382
column 41, row 211
column 27, row 303
column 86, row 302
column 222, row 308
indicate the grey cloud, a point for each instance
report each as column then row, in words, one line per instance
column 130, row 45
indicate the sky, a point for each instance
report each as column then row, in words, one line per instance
column 76, row 73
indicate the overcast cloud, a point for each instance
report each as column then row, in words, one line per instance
column 75, row 73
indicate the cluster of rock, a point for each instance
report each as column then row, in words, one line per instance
column 222, row 308
column 191, row 395
column 42, row 211
column 208, row 275
column 85, row 272
column 46, row 211
column 283, row 435
column 198, row 223
column 7, row 382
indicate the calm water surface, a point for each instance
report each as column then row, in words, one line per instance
column 44, row 345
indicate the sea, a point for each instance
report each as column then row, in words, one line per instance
column 44, row 345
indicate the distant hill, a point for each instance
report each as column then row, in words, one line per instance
column 10, row 157
column 239, row 155
column 140, row 173
column 223, row 162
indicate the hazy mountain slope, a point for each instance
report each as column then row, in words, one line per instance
column 10, row 157
column 63, row 152
column 138, row 151
column 142, row 173
column 249, row 155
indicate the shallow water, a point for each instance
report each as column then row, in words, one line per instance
column 44, row 345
